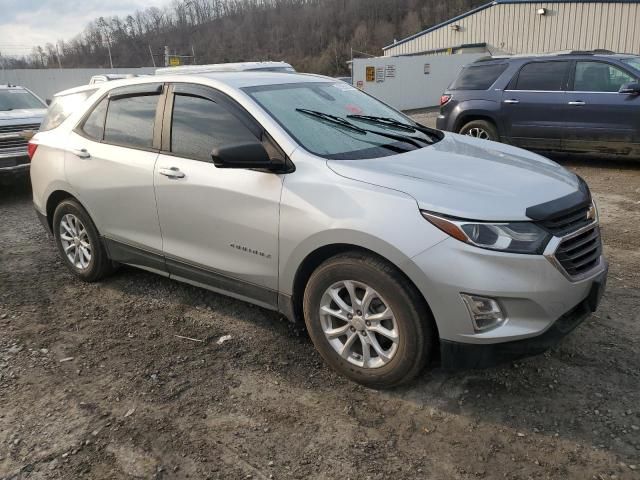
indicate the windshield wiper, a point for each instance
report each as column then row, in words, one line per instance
column 384, row 121
column 344, row 123
column 332, row 119
column 391, row 122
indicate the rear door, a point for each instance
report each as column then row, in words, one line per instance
column 601, row 120
column 110, row 162
column 534, row 105
column 219, row 226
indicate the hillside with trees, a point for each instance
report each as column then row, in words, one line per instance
column 313, row 35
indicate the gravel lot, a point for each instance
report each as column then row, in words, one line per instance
column 96, row 380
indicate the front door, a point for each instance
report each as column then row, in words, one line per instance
column 601, row 119
column 219, row 226
column 534, row 104
column 110, row 163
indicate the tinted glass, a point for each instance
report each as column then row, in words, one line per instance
column 599, row 77
column 478, row 77
column 15, row 99
column 61, row 107
column 543, row 76
column 338, row 99
column 130, row 121
column 633, row 62
column 198, row 125
column 94, row 124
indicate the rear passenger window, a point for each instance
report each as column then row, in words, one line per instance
column 94, row 124
column 63, row 106
column 198, row 125
column 478, row 77
column 130, row 121
column 543, row 76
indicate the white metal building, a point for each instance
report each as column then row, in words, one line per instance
column 525, row 26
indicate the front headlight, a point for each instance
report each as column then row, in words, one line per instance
column 513, row 237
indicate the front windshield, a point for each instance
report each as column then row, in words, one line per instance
column 323, row 118
column 14, row 99
column 633, row 62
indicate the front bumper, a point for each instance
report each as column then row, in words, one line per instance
column 13, row 165
column 533, row 293
column 456, row 355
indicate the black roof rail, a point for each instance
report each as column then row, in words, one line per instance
column 597, row 51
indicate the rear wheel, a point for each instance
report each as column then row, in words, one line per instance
column 367, row 321
column 481, row 129
column 78, row 242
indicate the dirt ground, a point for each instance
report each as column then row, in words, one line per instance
column 96, row 381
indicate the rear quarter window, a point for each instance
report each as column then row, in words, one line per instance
column 478, row 77
column 61, row 107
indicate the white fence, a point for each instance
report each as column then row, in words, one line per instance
column 409, row 82
column 46, row 82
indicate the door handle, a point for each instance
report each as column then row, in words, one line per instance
column 512, row 101
column 81, row 153
column 172, row 172
column 577, row 103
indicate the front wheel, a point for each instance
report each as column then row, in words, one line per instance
column 481, row 129
column 367, row 321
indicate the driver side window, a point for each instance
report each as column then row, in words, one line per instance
column 198, row 125
column 599, row 77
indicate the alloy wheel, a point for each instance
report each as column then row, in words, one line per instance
column 359, row 324
column 478, row 133
column 75, row 241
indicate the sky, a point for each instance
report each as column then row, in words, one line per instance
column 25, row 24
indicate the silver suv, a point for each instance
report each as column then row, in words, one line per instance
column 21, row 112
column 303, row 195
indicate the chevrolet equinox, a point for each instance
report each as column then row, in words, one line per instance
column 394, row 242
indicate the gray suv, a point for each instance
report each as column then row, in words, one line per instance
column 21, row 112
column 575, row 102
column 303, row 195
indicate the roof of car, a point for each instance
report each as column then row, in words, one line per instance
column 10, row 86
column 235, row 80
column 563, row 55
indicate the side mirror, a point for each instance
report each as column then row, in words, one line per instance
column 48, row 101
column 241, row 155
column 632, row 88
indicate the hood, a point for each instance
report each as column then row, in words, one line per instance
column 23, row 115
column 467, row 178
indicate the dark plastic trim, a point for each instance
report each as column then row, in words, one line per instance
column 562, row 205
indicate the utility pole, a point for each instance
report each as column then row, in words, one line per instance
column 58, row 55
column 166, row 56
column 153, row 60
column 109, row 50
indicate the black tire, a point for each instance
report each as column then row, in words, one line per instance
column 99, row 265
column 414, row 322
column 484, row 126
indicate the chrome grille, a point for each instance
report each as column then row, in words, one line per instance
column 580, row 253
column 13, row 143
column 19, row 128
column 568, row 222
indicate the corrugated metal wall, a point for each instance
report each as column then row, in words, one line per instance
column 517, row 28
column 48, row 81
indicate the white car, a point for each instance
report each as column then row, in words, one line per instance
column 303, row 195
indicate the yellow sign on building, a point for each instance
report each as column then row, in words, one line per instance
column 371, row 74
column 174, row 61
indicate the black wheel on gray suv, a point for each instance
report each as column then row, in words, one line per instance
column 368, row 321
column 482, row 129
column 78, row 242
